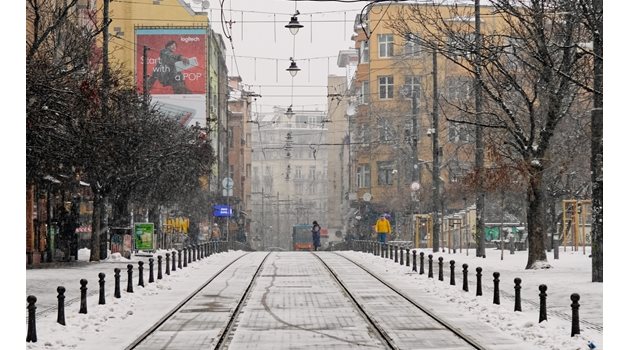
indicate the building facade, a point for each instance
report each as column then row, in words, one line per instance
column 289, row 175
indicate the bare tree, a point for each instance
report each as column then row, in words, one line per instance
column 530, row 77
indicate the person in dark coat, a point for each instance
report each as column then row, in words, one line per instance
column 315, row 231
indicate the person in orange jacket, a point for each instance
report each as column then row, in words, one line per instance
column 383, row 228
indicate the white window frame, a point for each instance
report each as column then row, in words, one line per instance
column 410, row 47
column 385, row 45
column 384, row 175
column 387, row 82
column 363, row 176
column 364, row 52
column 413, row 82
column 365, row 92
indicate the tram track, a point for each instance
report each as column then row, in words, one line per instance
column 153, row 329
column 386, row 337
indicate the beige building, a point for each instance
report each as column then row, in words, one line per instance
column 289, row 181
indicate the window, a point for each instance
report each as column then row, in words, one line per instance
column 248, row 171
column 363, row 176
column 385, row 45
column 386, row 87
column 411, row 47
column 311, row 188
column 412, row 84
column 364, row 98
column 385, row 175
column 384, row 130
column 364, row 54
column 408, row 131
column 311, row 172
column 460, row 133
column 298, row 172
column 461, row 45
column 458, row 89
column 230, row 137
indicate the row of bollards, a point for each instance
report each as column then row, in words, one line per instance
column 190, row 254
column 390, row 251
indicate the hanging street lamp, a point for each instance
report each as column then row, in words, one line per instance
column 294, row 26
column 293, row 68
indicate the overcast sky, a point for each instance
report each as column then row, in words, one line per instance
column 258, row 42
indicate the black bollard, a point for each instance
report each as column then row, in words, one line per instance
column 151, row 280
column 414, row 267
column 517, row 294
column 575, row 313
column 479, row 281
column 452, row 262
column 185, row 257
column 401, row 256
column 441, row 269
column 430, row 266
column 140, row 276
column 189, row 254
column 101, row 288
column 407, row 262
column 83, row 307
column 117, row 283
column 396, row 254
column 129, row 278
column 159, row 274
column 194, row 253
column 179, row 259
column 61, row 314
column 495, row 298
column 543, row 303
column 31, row 334
column 391, row 253
column 386, row 247
column 465, row 277
column 167, row 265
column 421, row 263
column 381, row 248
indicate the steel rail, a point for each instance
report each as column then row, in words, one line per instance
column 458, row 332
column 169, row 314
column 378, row 329
column 223, row 338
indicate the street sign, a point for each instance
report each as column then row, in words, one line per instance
column 227, row 183
column 222, row 211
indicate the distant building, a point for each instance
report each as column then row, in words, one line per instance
column 289, row 181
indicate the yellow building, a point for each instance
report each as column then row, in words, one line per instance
column 389, row 177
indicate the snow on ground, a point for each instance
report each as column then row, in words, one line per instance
column 122, row 320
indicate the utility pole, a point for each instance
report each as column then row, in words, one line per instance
column 278, row 219
column 597, row 147
column 104, row 110
column 414, row 136
column 479, row 144
column 436, row 159
column 262, row 196
column 145, row 87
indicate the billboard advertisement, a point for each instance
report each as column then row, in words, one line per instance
column 176, row 62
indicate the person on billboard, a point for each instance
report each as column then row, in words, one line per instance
column 166, row 71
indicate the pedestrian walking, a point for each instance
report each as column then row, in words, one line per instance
column 383, row 228
column 315, row 231
column 215, row 235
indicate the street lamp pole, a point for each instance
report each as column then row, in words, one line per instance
column 436, row 160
